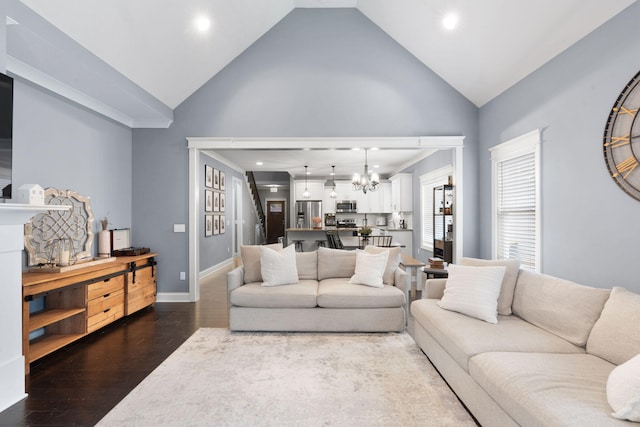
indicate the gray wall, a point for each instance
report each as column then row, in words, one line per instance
column 319, row 72
column 58, row 144
column 212, row 247
column 590, row 227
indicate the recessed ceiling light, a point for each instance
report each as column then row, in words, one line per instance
column 202, row 23
column 259, row 163
column 450, row 21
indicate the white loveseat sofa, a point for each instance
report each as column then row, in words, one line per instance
column 548, row 360
column 322, row 299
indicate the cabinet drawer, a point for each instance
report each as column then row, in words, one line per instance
column 105, row 317
column 141, row 298
column 99, row 289
column 105, row 302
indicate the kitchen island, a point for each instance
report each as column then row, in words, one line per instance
column 309, row 236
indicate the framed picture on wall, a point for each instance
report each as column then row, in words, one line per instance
column 216, row 224
column 216, row 179
column 222, row 225
column 216, row 202
column 208, row 225
column 222, row 179
column 223, row 201
column 208, row 200
column 208, row 176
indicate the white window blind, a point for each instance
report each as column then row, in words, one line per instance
column 516, row 201
column 427, row 183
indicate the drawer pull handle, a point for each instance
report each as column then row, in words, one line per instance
column 106, row 280
column 106, row 296
column 106, row 310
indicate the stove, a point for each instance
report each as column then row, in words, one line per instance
column 346, row 223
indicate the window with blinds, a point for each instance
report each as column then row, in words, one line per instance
column 516, row 231
column 427, row 183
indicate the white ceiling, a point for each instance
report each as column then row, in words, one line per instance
column 347, row 162
column 497, row 43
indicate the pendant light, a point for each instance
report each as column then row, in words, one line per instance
column 364, row 182
column 306, row 193
column 333, row 193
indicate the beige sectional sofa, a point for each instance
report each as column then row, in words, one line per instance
column 321, row 299
column 548, row 359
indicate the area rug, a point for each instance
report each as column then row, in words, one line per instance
column 223, row 378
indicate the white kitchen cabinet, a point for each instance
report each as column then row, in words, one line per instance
column 402, row 192
column 345, row 191
column 315, row 187
column 378, row 201
column 328, row 202
column 403, row 237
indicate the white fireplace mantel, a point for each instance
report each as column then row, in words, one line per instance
column 12, row 220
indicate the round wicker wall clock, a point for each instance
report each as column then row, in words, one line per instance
column 622, row 139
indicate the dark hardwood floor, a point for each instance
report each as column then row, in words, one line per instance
column 79, row 384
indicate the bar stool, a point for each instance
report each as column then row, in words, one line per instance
column 299, row 247
column 322, row 243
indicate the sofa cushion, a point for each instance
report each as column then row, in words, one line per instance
column 616, row 334
column 623, row 387
column 473, row 291
column 335, row 263
column 278, row 267
column 564, row 308
column 508, row 281
column 307, row 265
column 250, row 255
column 338, row 293
column 463, row 337
column 545, row 389
column 369, row 269
column 299, row 295
column 395, row 256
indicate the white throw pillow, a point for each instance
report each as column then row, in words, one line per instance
column 278, row 267
column 623, row 390
column 369, row 269
column 473, row 291
column 392, row 263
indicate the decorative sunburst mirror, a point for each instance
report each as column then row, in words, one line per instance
column 47, row 233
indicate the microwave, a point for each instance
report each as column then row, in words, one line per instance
column 348, row 206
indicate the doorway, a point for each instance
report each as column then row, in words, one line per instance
column 276, row 219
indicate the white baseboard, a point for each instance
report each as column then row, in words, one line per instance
column 172, row 297
column 184, row 296
column 214, row 269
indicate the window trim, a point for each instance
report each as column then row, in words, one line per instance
column 524, row 144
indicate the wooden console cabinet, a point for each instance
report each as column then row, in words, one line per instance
column 82, row 301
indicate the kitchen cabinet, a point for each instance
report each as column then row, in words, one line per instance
column 402, row 192
column 328, row 202
column 404, row 238
column 344, row 189
column 378, row 201
column 315, row 187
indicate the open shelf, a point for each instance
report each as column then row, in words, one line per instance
column 48, row 317
column 40, row 347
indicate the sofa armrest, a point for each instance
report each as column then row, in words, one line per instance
column 434, row 288
column 402, row 280
column 235, row 278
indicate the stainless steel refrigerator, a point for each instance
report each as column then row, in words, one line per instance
column 305, row 210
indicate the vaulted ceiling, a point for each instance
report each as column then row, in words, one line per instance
column 496, row 43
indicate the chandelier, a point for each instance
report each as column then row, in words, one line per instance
column 365, row 182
